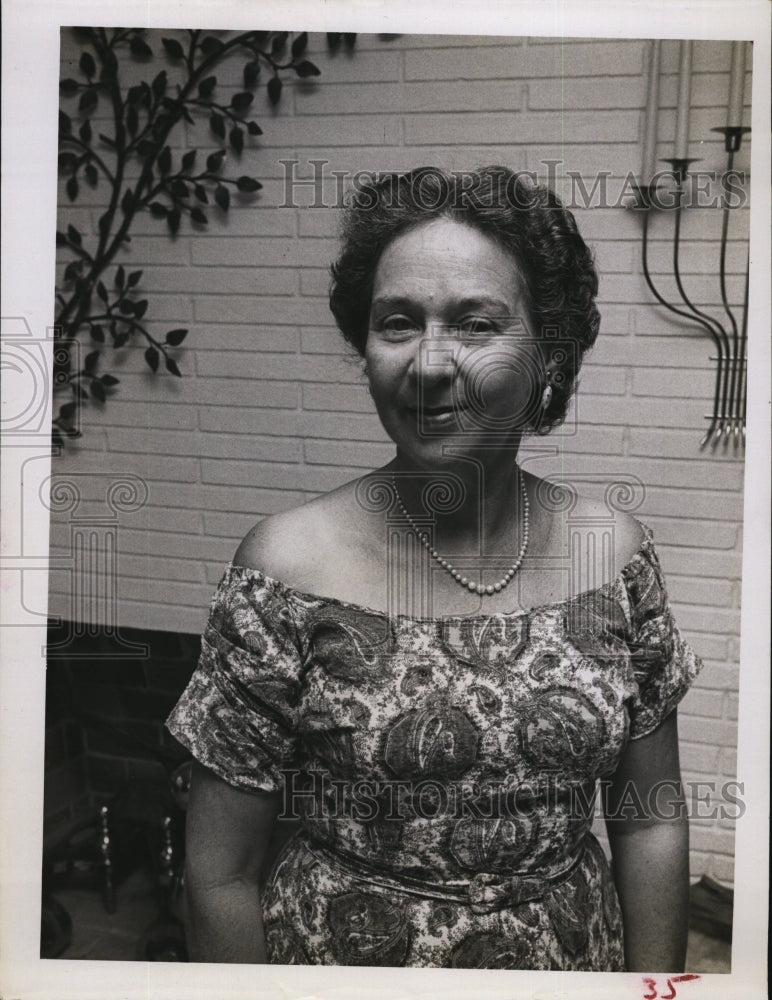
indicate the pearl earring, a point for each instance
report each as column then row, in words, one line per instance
column 546, row 397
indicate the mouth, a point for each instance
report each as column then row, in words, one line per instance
column 440, row 413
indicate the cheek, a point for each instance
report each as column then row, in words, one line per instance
column 501, row 373
column 501, row 384
column 384, row 370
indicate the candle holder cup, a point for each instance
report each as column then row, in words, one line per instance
column 730, row 388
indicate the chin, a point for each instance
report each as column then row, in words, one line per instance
column 444, row 452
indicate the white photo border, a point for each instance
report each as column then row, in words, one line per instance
column 30, row 98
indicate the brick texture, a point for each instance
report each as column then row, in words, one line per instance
column 272, row 409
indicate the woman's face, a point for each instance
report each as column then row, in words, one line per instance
column 451, row 363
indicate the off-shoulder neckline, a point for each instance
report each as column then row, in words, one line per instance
column 248, row 571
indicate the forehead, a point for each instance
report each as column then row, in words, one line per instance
column 447, row 256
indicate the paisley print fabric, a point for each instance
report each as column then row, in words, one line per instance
column 444, row 770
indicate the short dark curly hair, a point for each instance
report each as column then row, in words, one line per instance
column 523, row 217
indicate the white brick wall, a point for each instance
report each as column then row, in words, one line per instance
column 269, row 393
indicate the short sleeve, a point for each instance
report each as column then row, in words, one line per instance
column 237, row 716
column 664, row 665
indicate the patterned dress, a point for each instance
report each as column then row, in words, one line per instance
column 444, row 769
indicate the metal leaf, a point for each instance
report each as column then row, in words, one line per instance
column 248, row 184
column 251, row 73
column 140, row 48
column 241, row 101
column 214, row 161
column 222, row 196
column 87, row 64
column 173, row 220
column 67, row 162
column 72, row 271
column 305, row 69
column 88, row 100
column 109, row 67
column 274, row 89
column 299, row 45
column 206, row 86
column 173, row 48
column 211, row 45
column 151, row 357
column 279, row 41
column 159, row 85
column 217, row 125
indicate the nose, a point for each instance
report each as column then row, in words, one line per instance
column 436, row 356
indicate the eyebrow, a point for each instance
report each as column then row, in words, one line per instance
column 496, row 306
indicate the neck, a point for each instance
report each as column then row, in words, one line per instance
column 472, row 502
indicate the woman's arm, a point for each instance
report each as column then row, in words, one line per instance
column 227, row 833
column 649, row 835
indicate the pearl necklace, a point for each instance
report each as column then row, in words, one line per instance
column 479, row 588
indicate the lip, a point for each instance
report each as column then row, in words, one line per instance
column 437, row 409
column 441, row 414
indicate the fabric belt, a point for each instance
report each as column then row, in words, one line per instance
column 483, row 893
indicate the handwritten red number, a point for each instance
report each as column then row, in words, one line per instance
column 652, row 985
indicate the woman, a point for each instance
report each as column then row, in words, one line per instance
column 444, row 763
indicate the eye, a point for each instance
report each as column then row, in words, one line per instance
column 397, row 326
column 477, row 327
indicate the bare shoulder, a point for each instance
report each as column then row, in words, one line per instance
column 594, row 543
column 295, row 546
column 627, row 533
